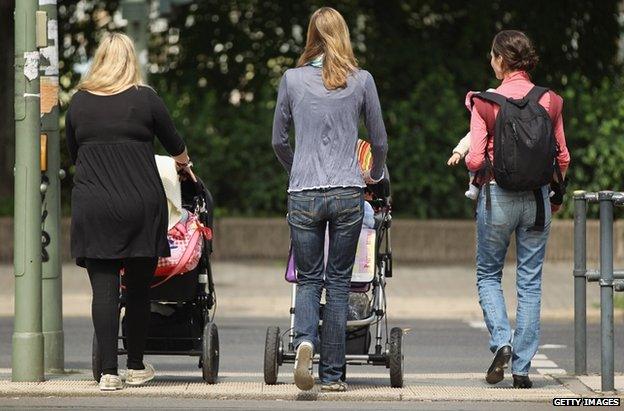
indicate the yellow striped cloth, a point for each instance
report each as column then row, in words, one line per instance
column 364, row 155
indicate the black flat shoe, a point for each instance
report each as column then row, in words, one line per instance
column 522, row 381
column 496, row 373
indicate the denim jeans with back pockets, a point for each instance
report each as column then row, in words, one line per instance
column 511, row 212
column 309, row 214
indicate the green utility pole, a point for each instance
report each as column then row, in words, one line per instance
column 136, row 12
column 52, row 300
column 27, row 358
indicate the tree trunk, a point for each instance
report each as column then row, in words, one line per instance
column 7, row 126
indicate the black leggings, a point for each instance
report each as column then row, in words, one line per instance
column 104, row 276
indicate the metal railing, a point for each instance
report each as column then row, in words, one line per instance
column 610, row 280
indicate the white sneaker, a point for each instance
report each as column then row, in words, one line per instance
column 473, row 192
column 138, row 377
column 110, row 382
column 303, row 366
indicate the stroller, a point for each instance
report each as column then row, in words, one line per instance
column 181, row 322
column 367, row 304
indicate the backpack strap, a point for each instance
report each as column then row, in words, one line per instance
column 492, row 97
column 536, row 93
column 485, row 172
column 540, row 211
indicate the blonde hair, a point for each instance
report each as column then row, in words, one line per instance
column 328, row 35
column 115, row 66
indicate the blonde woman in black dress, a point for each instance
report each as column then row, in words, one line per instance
column 119, row 209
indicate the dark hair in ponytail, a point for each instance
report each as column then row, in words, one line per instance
column 516, row 49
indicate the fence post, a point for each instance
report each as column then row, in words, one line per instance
column 606, row 290
column 580, row 283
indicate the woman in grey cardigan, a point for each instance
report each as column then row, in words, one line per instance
column 324, row 97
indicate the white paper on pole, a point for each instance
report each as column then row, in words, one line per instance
column 50, row 53
column 31, row 65
column 46, row 2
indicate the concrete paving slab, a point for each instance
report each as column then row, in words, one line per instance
column 594, row 383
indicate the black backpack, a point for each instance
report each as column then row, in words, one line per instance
column 525, row 148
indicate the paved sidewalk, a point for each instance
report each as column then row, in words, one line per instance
column 257, row 289
column 246, row 386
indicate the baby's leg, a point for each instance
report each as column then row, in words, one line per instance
column 473, row 190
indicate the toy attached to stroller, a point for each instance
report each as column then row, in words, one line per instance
column 181, row 322
column 367, row 303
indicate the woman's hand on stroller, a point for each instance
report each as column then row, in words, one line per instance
column 184, row 171
column 367, row 177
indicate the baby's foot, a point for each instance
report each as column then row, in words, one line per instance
column 472, row 193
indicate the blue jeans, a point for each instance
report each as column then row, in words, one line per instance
column 511, row 212
column 309, row 212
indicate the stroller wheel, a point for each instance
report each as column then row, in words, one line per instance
column 96, row 360
column 210, row 353
column 395, row 357
column 271, row 355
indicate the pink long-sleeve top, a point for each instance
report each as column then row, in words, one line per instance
column 482, row 121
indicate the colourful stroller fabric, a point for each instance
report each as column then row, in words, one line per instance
column 364, row 155
column 363, row 268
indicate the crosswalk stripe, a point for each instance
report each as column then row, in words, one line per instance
column 543, row 364
column 545, row 371
column 552, row 346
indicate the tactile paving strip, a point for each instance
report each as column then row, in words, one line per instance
column 419, row 387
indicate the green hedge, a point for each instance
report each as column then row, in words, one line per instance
column 424, row 55
column 231, row 146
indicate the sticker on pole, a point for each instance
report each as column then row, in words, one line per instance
column 31, row 65
column 50, row 61
column 49, row 87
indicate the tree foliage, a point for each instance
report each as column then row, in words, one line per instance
column 217, row 64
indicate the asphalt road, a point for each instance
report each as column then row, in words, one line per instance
column 430, row 347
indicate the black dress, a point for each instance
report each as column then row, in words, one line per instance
column 119, row 208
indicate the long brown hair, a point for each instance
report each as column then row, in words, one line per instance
column 328, row 35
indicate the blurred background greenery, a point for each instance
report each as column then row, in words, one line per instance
column 217, row 63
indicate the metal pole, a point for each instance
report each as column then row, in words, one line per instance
column 580, row 283
column 606, row 290
column 52, row 303
column 27, row 356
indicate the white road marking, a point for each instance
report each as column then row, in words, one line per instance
column 543, row 363
column 477, row 324
column 547, row 371
column 552, row 346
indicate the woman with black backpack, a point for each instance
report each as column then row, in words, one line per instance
column 518, row 150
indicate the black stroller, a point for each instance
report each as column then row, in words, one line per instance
column 367, row 308
column 181, row 321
